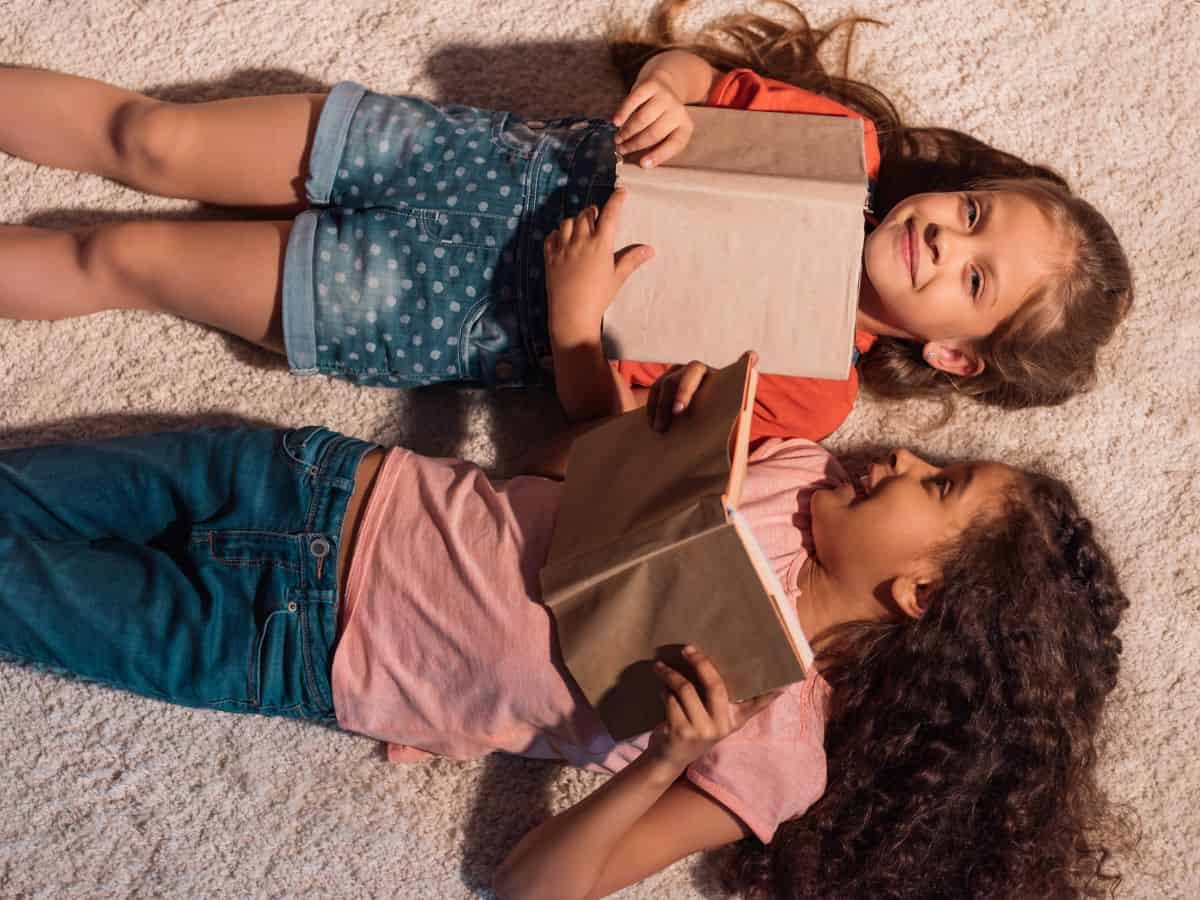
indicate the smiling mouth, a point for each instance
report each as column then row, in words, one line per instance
column 861, row 486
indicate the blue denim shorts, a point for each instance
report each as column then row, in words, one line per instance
column 197, row 567
column 421, row 259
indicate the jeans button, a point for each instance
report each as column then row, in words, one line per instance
column 292, row 606
column 319, row 547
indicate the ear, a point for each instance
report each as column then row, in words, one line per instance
column 949, row 357
column 911, row 594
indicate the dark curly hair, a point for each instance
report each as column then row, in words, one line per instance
column 962, row 747
column 1044, row 353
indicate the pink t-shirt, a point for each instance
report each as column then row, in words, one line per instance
column 446, row 649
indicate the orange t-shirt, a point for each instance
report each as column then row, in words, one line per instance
column 785, row 406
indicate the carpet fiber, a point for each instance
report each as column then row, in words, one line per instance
column 107, row 794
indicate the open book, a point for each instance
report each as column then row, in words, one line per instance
column 650, row 553
column 757, row 228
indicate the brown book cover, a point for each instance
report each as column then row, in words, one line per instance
column 649, row 553
column 757, row 227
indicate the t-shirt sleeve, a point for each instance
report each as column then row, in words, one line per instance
column 773, row 769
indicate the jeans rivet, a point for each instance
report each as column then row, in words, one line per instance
column 292, row 606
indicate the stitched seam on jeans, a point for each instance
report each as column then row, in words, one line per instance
column 255, row 562
column 307, row 670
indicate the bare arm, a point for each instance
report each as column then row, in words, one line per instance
column 583, row 275
column 653, row 123
column 627, row 829
column 688, row 76
column 646, row 817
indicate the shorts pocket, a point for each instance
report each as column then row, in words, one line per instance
column 514, row 135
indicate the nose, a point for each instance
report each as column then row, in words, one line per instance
column 947, row 245
column 930, row 236
column 903, row 461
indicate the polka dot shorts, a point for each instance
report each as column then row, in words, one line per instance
column 421, row 259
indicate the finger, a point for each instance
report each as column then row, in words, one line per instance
column 550, row 245
column 629, row 259
column 710, row 677
column 585, row 222
column 565, row 229
column 654, row 133
column 635, row 98
column 716, row 697
column 677, row 719
column 664, row 409
column 693, row 375
column 656, row 392
column 685, row 692
column 606, row 222
column 642, row 118
column 668, row 149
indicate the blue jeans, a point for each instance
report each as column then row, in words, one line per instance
column 198, row 567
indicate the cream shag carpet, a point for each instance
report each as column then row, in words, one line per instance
column 107, row 794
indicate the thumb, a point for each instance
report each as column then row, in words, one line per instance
column 631, row 258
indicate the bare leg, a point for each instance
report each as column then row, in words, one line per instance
column 250, row 151
column 224, row 274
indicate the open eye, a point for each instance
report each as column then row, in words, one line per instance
column 972, row 211
column 976, row 283
column 943, row 485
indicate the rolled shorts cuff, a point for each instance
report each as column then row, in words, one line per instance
column 299, row 322
column 333, row 127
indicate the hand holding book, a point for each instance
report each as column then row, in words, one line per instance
column 649, row 553
column 698, row 719
column 671, row 394
column 584, row 270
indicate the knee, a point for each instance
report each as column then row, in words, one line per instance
column 116, row 262
column 144, row 134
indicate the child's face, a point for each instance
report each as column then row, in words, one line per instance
column 949, row 267
column 890, row 525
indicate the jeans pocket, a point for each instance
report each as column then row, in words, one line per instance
column 514, row 135
column 276, row 663
column 295, row 446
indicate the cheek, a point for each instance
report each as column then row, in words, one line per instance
column 826, row 525
column 874, row 257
